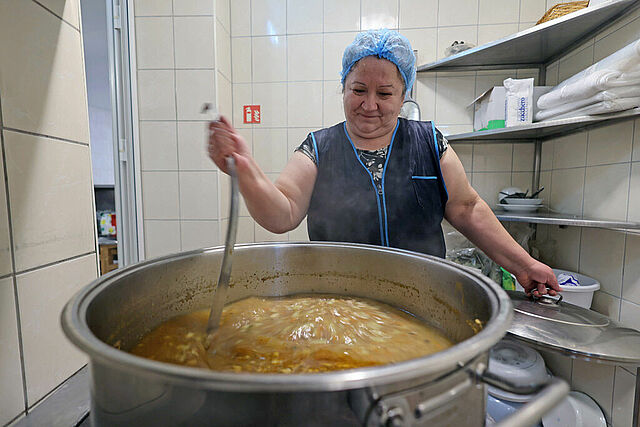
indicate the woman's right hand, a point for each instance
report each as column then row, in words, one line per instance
column 225, row 141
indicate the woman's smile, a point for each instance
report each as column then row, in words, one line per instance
column 373, row 96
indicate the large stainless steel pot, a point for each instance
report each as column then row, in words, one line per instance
column 441, row 389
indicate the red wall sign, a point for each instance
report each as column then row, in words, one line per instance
column 251, row 113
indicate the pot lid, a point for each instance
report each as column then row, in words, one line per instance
column 552, row 324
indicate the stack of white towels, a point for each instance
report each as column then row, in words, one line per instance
column 611, row 85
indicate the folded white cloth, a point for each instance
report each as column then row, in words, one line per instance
column 587, row 87
column 601, row 107
column 605, row 95
column 621, row 68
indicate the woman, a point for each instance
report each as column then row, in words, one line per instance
column 376, row 178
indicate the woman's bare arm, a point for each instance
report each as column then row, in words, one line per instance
column 468, row 213
column 279, row 207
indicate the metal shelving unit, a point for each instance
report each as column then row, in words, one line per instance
column 537, row 47
column 550, row 218
column 543, row 130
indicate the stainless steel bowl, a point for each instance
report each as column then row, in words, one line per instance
column 116, row 310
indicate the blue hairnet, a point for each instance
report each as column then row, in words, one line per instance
column 383, row 43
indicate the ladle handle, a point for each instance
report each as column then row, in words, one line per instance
column 220, row 294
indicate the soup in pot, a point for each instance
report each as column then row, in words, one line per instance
column 297, row 334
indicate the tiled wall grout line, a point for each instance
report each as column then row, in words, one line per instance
column 53, row 263
column 14, row 282
column 56, row 138
column 59, row 17
column 175, row 100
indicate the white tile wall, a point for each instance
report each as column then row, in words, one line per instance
column 268, row 17
column 308, row 46
column 192, row 146
column 418, row 14
column 498, row 12
column 567, row 190
column 198, row 195
column 192, row 7
column 629, row 314
column 523, row 155
column 606, row 304
column 269, row 59
column 635, row 156
column 45, row 71
column 194, row 42
column 160, row 195
column 156, row 95
column 341, row 15
column 67, row 10
column 596, row 381
column 11, row 392
column 180, row 192
column 241, row 17
column 223, row 14
column 492, row 158
column 48, row 194
column 634, row 196
column 159, row 147
column 607, row 191
column 223, row 42
column 304, row 104
column 49, row 357
column 631, row 272
column 378, row 14
column 304, row 16
column 48, row 173
column 570, row 151
column 199, row 234
column 241, row 47
column 154, row 42
column 272, row 97
column 270, row 149
column 623, row 393
column 462, row 12
column 601, row 256
column 610, row 144
column 454, row 94
column 153, row 7
column 489, row 33
column 5, row 244
column 194, row 88
column 532, row 10
column 161, row 238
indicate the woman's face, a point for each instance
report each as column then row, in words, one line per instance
column 373, row 96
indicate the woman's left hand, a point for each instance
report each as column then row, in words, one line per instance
column 539, row 279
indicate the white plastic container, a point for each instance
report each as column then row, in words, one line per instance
column 578, row 295
column 520, row 364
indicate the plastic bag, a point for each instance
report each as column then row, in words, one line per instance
column 457, row 47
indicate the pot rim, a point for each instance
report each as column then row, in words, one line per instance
column 75, row 327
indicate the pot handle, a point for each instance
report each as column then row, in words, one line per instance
column 548, row 395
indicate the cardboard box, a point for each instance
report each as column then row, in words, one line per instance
column 489, row 108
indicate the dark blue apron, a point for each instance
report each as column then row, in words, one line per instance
column 346, row 206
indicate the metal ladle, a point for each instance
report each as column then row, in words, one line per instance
column 225, row 270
